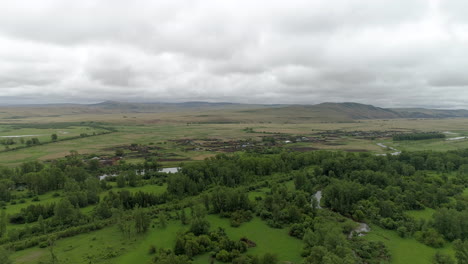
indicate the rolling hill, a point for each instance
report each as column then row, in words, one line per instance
column 343, row 112
column 229, row 112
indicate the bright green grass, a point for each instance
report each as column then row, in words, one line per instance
column 94, row 247
column 431, row 144
column 406, row 250
column 44, row 135
column 108, row 245
column 268, row 240
column 425, row 214
column 161, row 238
column 151, row 188
column 46, row 198
column 290, row 185
column 262, row 192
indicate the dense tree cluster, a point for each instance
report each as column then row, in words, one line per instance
column 355, row 186
column 418, row 136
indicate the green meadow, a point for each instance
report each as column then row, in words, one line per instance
column 406, row 250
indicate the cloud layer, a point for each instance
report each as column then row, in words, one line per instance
column 387, row 53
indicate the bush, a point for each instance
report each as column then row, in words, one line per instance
column 223, row 256
column 43, row 244
column 152, row 250
column 239, row 217
column 402, row 231
column 441, row 258
column 430, row 237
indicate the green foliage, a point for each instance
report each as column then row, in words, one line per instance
column 461, row 251
column 3, row 223
column 240, row 216
column 162, row 220
column 5, row 256
column 168, row 257
column 142, row 220
column 183, row 217
column 441, row 258
column 152, row 250
column 65, row 213
column 199, row 226
column 342, row 195
column 120, row 181
column 430, row 237
column 103, row 210
column 451, row 223
column 418, row 136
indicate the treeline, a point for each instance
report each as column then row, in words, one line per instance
column 418, row 136
column 65, row 125
column 238, row 169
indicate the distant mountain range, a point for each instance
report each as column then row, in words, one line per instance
column 327, row 112
column 357, row 111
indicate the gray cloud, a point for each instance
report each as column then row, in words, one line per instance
column 388, row 53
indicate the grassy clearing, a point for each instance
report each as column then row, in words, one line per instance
column 269, row 240
column 161, row 238
column 431, row 144
column 262, row 192
column 465, row 192
column 108, row 246
column 406, row 250
column 95, row 247
column 425, row 214
column 152, row 188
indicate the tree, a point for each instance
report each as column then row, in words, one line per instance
column 461, row 251
column 120, row 181
column 102, row 210
column 168, row 257
column 53, row 257
column 269, row 259
column 5, row 256
column 54, row 137
column 93, row 188
column 142, row 220
column 441, row 258
column 64, row 212
column 183, row 217
column 162, row 220
column 132, row 179
column 119, row 152
column 200, row 226
column 41, row 224
column 3, row 223
column 124, row 226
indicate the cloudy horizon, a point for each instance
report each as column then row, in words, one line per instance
column 410, row 53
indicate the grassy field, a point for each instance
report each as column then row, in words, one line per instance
column 96, row 247
column 406, row 250
column 160, row 134
column 266, row 238
column 108, row 246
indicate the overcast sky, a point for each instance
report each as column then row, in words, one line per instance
column 381, row 52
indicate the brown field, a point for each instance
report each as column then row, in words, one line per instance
column 199, row 127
